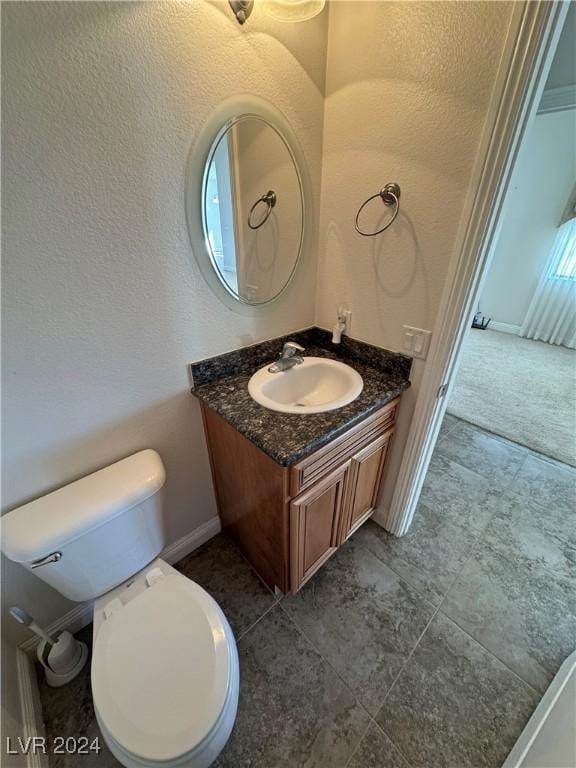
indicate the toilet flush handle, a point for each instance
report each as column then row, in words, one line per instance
column 53, row 558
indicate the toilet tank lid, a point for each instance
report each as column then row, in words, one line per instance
column 47, row 524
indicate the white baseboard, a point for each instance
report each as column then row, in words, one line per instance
column 192, row 541
column 73, row 621
column 558, row 99
column 32, row 721
column 504, row 327
column 81, row 615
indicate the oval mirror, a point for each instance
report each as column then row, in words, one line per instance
column 252, row 209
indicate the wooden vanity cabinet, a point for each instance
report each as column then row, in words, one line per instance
column 365, row 473
column 316, row 518
column 289, row 520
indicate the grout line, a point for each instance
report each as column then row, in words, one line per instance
column 491, row 433
column 325, row 660
column 389, row 691
column 475, row 548
column 494, row 436
column 515, row 477
column 474, row 640
column 396, row 747
column 478, row 541
column 403, row 579
column 385, row 699
column 258, row 620
column 491, row 653
column 371, row 720
column 360, row 740
column 489, row 480
column 501, row 495
column 558, row 463
column 416, row 589
column 260, row 579
column 525, row 562
column 371, row 717
column 275, row 600
column 470, row 554
column 272, row 594
column 378, row 727
column 450, row 429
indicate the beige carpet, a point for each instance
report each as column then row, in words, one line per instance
column 520, row 389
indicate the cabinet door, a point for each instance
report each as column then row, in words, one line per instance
column 366, row 469
column 315, row 524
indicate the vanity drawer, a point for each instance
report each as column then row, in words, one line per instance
column 307, row 471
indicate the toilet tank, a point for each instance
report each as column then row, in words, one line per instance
column 91, row 535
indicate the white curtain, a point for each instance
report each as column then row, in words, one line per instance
column 551, row 316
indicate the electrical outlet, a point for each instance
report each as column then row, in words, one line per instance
column 416, row 342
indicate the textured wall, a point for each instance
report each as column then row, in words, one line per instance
column 103, row 303
column 547, row 161
column 405, row 103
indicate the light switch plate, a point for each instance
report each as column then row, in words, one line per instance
column 416, row 342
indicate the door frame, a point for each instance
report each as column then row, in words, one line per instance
column 530, row 46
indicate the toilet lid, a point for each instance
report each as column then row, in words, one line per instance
column 161, row 669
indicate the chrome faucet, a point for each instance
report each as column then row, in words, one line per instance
column 288, row 358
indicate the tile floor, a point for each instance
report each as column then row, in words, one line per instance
column 428, row 651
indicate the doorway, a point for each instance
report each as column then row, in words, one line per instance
column 516, row 375
column 489, row 512
column 525, row 67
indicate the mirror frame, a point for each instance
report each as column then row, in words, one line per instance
column 225, row 115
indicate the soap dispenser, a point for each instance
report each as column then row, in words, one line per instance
column 342, row 324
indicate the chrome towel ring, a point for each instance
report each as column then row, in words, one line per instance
column 269, row 199
column 390, row 195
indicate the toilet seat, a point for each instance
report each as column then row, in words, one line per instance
column 165, row 674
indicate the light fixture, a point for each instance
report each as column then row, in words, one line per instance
column 293, row 10
column 241, row 9
column 281, row 10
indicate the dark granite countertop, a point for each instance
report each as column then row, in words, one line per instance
column 222, row 384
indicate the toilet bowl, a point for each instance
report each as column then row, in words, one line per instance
column 165, row 673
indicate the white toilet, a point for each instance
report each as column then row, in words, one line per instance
column 165, row 675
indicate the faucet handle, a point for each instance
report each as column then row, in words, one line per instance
column 290, row 349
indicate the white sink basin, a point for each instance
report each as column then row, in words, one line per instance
column 316, row 385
